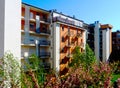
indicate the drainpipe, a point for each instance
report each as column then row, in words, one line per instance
column 37, row 47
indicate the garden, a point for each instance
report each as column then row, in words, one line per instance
column 84, row 72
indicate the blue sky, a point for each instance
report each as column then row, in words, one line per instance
column 105, row 11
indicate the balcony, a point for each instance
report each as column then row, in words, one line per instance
column 32, row 19
column 73, row 40
column 68, row 45
column 79, row 35
column 69, row 34
column 63, row 49
column 43, row 31
column 44, row 43
column 62, row 67
column 69, row 55
column 73, row 48
column 46, row 31
column 22, row 17
column 81, row 44
column 38, row 33
column 44, row 55
column 22, row 27
column 32, row 16
column 29, row 43
column 45, row 20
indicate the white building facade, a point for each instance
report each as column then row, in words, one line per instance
column 100, row 40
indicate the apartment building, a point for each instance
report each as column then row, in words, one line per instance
column 52, row 36
column 68, row 33
column 36, row 34
column 115, row 46
column 116, row 40
column 100, row 40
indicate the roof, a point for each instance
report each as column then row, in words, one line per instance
column 67, row 16
column 104, row 26
column 35, row 7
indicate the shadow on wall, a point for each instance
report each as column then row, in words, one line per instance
column 115, row 55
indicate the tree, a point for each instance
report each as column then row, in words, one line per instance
column 33, row 76
column 86, row 58
column 89, row 56
column 78, row 57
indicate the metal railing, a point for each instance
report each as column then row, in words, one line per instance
column 45, row 19
column 44, row 42
column 46, row 31
column 44, row 54
column 30, row 41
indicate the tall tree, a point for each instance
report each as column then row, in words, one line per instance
column 89, row 56
column 86, row 58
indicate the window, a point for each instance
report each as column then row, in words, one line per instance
column 62, row 28
column 62, row 50
column 69, row 30
column 44, row 17
column 118, row 35
column 81, row 40
column 62, row 39
column 77, row 31
column 32, row 26
column 37, row 13
column 31, row 15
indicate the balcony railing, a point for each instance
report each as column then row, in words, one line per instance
column 44, row 54
column 45, row 20
column 68, row 45
column 44, row 42
column 79, row 34
column 30, row 42
column 45, row 31
column 22, row 17
column 81, row 44
column 32, row 19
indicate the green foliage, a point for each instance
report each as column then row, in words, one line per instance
column 77, row 58
column 34, row 75
column 83, row 73
column 33, row 62
column 116, row 71
column 86, row 58
column 89, row 56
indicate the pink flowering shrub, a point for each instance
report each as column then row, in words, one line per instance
column 118, row 83
column 98, row 76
